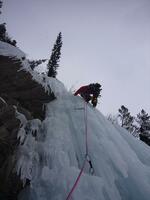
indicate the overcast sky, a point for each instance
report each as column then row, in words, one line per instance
column 105, row 41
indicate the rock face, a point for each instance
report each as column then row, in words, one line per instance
column 17, row 88
column 145, row 138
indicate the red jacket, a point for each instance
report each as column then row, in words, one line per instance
column 83, row 89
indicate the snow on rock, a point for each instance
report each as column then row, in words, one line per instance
column 121, row 163
column 48, row 83
column 27, row 156
column 11, row 51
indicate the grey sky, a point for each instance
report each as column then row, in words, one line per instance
column 106, row 41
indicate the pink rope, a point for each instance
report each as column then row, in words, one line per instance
column 81, row 171
column 77, row 180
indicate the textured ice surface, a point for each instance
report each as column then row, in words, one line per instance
column 121, row 162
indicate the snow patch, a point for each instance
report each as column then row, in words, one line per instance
column 11, row 51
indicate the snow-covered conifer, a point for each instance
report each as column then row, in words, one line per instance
column 143, row 119
column 55, row 56
column 1, row 3
column 125, row 118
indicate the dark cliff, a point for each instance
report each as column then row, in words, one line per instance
column 17, row 88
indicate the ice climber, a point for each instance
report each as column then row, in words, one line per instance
column 90, row 92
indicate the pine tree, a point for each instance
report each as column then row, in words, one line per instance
column 2, row 32
column 1, row 3
column 126, row 119
column 4, row 37
column 143, row 119
column 55, row 56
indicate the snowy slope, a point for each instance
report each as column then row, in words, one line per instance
column 53, row 160
column 9, row 50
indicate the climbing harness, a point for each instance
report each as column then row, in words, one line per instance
column 86, row 159
column 94, row 101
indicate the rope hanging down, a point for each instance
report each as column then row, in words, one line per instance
column 87, row 159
